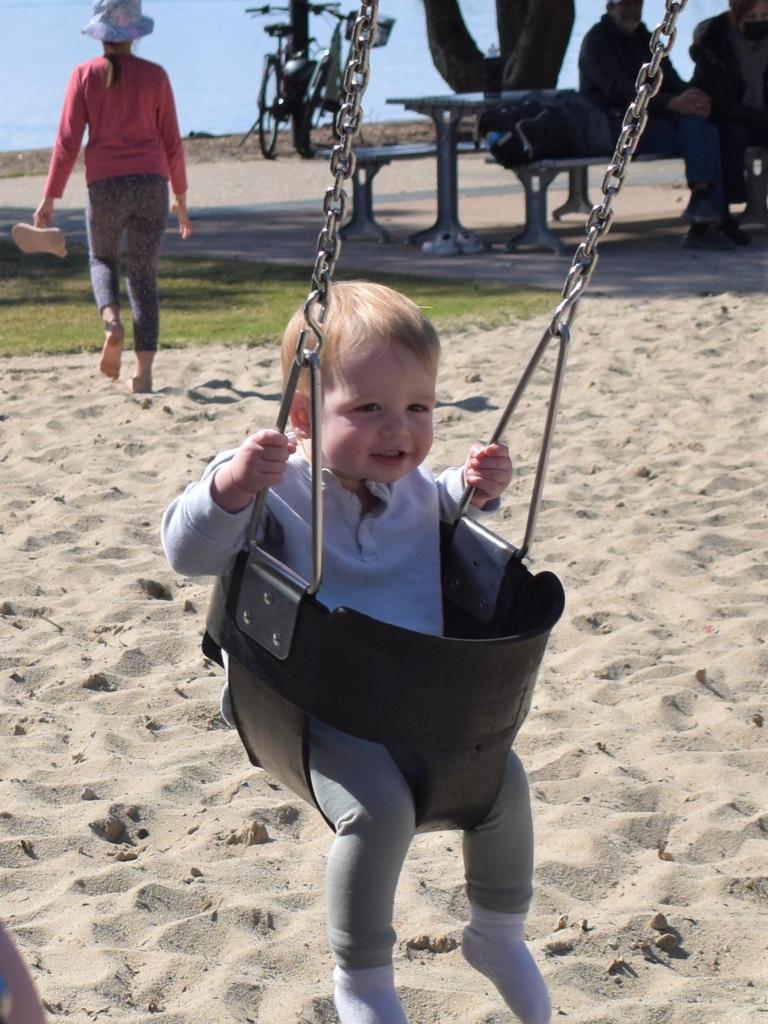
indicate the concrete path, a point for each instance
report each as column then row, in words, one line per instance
column 271, row 211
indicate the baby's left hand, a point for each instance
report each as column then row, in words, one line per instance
column 488, row 469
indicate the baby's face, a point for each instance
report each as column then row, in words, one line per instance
column 378, row 402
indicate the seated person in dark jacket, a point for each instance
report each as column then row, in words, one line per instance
column 731, row 57
column 612, row 53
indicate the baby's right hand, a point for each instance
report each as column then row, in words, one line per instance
column 259, row 463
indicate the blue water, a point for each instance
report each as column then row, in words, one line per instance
column 213, row 53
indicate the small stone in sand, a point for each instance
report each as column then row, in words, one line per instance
column 127, row 855
column 88, row 794
column 196, row 872
column 111, row 829
column 701, row 675
column 658, row 922
column 562, row 922
column 19, row 730
column 667, row 941
column 98, row 681
column 664, row 853
column 189, row 606
column 441, row 944
column 618, row 966
column 758, row 719
column 250, row 835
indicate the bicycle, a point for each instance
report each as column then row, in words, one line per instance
column 283, row 87
column 326, row 84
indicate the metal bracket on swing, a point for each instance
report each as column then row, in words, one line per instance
column 270, row 592
column 477, row 559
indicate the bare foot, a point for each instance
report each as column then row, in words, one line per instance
column 112, row 351
column 142, row 378
column 142, row 384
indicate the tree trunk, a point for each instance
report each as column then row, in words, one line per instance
column 510, row 20
column 533, row 37
column 538, row 55
column 454, row 52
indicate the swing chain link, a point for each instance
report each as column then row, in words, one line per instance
column 647, row 85
column 342, row 166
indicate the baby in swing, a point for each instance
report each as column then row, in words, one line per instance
column 382, row 511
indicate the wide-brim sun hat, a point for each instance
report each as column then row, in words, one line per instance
column 118, row 21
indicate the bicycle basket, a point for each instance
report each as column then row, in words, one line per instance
column 382, row 30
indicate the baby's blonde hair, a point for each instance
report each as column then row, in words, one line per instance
column 362, row 312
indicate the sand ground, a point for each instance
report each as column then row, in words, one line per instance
column 124, row 804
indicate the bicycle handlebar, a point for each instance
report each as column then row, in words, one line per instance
column 312, row 8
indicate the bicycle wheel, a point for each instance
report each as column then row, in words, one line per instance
column 270, row 109
column 312, row 110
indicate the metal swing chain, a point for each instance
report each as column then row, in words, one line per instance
column 342, row 164
column 647, row 84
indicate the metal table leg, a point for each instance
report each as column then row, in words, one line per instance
column 447, row 235
column 363, row 223
column 536, row 232
column 578, row 199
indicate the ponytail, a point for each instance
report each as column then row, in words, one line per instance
column 113, row 70
column 112, row 54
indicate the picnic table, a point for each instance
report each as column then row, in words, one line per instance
column 446, row 112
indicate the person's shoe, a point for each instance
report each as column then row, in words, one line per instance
column 736, row 234
column 444, row 244
column 701, row 209
column 31, row 239
column 707, row 236
column 469, row 243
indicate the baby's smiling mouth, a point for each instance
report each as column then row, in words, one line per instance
column 394, row 453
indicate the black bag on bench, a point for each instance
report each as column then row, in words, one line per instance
column 541, row 127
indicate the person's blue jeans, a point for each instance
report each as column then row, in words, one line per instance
column 693, row 138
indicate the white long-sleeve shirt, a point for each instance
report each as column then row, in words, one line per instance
column 385, row 563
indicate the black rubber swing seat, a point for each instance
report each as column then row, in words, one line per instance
column 447, row 707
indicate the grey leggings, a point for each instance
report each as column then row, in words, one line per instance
column 360, row 789
column 136, row 204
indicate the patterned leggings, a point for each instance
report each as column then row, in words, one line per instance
column 136, row 204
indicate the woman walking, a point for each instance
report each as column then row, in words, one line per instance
column 133, row 149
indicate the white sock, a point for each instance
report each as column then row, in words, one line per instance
column 493, row 944
column 366, row 995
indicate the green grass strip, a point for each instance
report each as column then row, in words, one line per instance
column 46, row 304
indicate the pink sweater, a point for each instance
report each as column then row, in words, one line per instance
column 132, row 128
